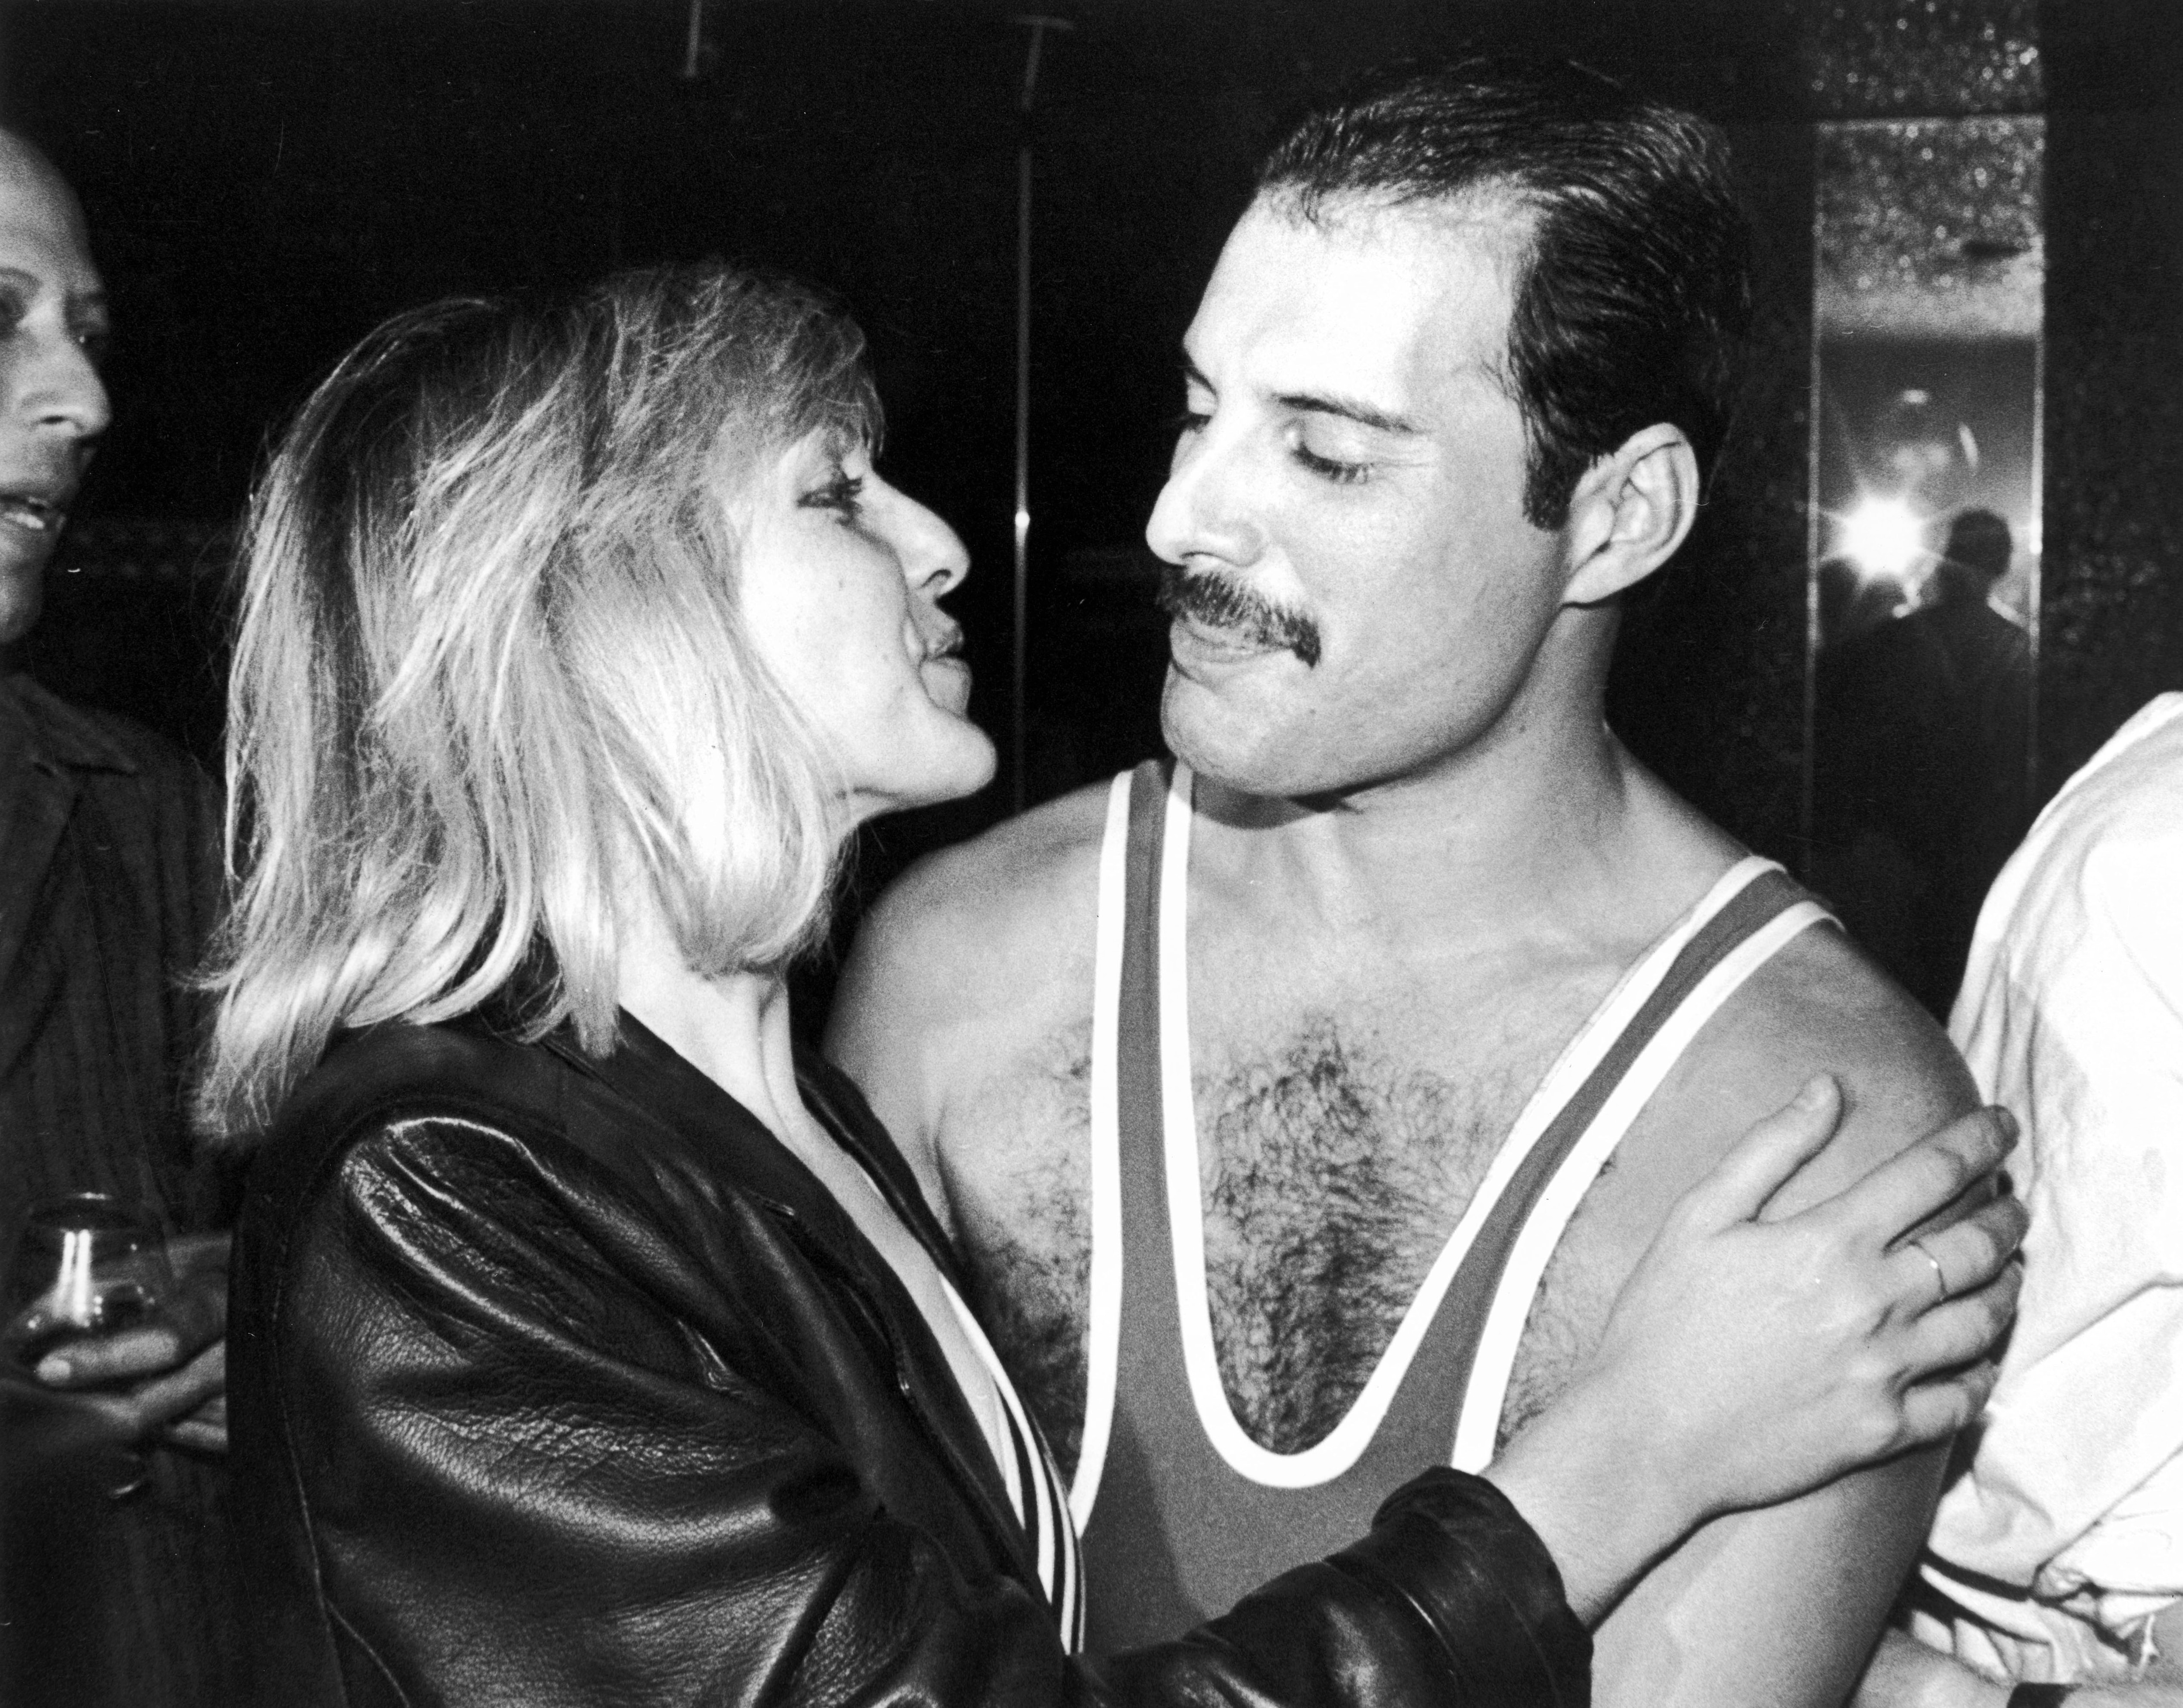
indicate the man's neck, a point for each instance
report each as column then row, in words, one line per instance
column 1532, row 826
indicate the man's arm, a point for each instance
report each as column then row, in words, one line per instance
column 1782, row 1605
column 1749, row 1358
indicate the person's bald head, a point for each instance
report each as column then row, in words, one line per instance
column 22, row 159
column 53, row 406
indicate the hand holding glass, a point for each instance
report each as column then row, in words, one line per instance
column 88, row 1264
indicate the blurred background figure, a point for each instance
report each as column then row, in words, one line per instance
column 1920, row 776
column 1853, row 602
column 109, row 876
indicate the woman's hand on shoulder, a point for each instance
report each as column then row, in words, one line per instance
column 1772, row 1356
column 1746, row 1362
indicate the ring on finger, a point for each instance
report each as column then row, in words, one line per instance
column 1940, row 1275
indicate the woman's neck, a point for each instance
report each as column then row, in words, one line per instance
column 733, row 1030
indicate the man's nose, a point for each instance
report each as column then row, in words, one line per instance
column 1204, row 511
column 59, row 391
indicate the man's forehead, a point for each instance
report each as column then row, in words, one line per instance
column 1365, row 288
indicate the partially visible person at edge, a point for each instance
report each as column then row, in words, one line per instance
column 109, row 878
column 2055, row 1568
column 591, row 1341
column 1301, row 1107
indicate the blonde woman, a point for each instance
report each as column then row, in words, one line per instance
column 591, row 1343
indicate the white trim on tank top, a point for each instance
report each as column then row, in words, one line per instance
column 1495, row 1361
column 1104, row 1331
column 1342, row 1448
column 1060, row 1568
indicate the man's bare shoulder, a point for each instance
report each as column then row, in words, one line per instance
column 973, row 959
column 971, row 917
column 1820, row 1006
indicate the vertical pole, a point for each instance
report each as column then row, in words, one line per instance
column 693, row 41
column 1018, row 703
column 1038, row 24
column 1814, row 543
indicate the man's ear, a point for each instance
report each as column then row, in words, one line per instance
column 1630, row 511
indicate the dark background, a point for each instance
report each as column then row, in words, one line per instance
column 265, row 182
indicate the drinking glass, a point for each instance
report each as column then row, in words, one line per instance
column 87, row 1264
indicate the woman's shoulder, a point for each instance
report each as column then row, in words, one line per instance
column 400, row 1069
column 401, row 1096
column 398, row 1072
column 468, row 1113
column 418, row 1159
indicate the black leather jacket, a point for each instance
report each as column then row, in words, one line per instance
column 556, row 1381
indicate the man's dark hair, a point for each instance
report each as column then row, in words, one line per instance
column 1634, row 292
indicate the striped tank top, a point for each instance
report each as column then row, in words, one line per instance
column 1181, row 1512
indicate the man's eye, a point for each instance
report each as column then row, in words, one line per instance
column 94, row 342
column 1331, row 468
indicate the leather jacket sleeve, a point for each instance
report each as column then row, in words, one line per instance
column 532, row 1447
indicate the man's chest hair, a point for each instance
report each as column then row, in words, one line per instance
column 1333, row 1168
column 1332, row 1172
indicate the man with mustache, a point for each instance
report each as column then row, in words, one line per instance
column 1301, row 1111
column 109, row 873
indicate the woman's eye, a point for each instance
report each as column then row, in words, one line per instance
column 843, row 495
column 1190, row 421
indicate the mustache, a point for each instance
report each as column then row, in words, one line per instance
column 1222, row 603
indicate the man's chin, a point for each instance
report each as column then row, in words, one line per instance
column 1236, row 739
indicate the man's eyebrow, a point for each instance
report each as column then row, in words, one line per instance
column 1349, row 408
column 1325, row 403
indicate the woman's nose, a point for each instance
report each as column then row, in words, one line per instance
column 934, row 559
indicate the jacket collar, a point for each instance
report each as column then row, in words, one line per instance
column 646, row 1072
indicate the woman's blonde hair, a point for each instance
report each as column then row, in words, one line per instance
column 491, row 666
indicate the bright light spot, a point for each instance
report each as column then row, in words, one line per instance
column 1883, row 537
